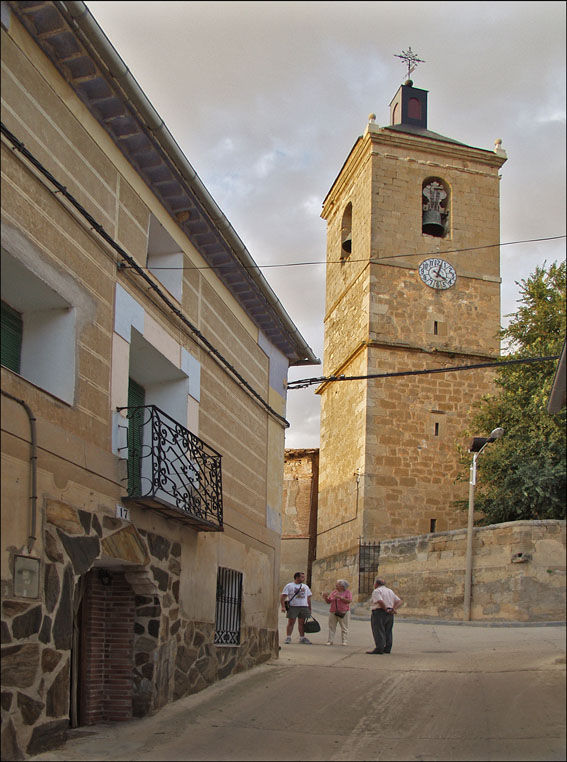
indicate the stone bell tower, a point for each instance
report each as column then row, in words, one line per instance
column 413, row 283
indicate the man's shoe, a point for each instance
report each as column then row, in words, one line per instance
column 306, row 641
column 375, row 652
column 329, row 643
column 344, row 644
column 288, row 639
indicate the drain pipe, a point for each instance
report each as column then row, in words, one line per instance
column 33, row 468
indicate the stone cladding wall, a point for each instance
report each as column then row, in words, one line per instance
column 158, row 657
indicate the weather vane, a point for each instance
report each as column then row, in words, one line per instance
column 409, row 58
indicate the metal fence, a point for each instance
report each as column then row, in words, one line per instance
column 229, row 601
column 368, row 564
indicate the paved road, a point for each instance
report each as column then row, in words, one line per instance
column 445, row 693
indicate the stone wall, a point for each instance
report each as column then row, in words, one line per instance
column 163, row 655
column 327, row 570
column 518, row 572
column 389, row 459
column 299, row 513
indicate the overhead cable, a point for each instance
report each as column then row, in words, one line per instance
column 302, row 383
column 372, row 260
column 18, row 145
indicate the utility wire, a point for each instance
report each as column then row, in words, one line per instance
column 352, row 261
column 211, row 349
column 302, row 383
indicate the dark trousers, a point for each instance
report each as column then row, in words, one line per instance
column 382, row 624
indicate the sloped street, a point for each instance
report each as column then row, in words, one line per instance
column 447, row 692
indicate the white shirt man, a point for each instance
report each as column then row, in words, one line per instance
column 384, row 604
column 298, row 597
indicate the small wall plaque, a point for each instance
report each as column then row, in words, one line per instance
column 26, row 577
column 122, row 512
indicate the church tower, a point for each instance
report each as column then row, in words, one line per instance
column 413, row 283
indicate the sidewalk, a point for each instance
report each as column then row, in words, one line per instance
column 445, row 693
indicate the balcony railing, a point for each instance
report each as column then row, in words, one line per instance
column 172, row 471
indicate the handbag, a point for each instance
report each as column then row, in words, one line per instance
column 340, row 614
column 311, row 625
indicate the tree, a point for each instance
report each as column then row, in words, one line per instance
column 523, row 475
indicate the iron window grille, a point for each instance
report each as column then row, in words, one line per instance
column 172, row 470
column 368, row 565
column 228, row 607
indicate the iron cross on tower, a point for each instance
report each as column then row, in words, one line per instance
column 410, row 59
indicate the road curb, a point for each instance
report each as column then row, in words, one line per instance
column 320, row 609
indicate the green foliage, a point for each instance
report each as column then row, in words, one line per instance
column 523, row 475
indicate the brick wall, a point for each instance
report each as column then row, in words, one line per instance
column 107, row 650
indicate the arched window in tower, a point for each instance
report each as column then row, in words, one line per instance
column 414, row 108
column 346, row 232
column 435, row 207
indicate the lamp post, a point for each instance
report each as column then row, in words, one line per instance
column 477, row 446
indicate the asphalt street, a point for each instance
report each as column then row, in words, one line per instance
column 444, row 693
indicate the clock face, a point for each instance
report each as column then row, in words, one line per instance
column 438, row 274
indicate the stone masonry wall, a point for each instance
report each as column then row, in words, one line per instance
column 518, row 572
column 299, row 513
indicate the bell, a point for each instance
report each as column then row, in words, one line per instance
column 432, row 224
column 347, row 245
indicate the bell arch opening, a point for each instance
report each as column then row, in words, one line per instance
column 436, row 202
column 346, row 232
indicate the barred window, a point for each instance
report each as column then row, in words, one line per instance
column 368, row 565
column 229, row 601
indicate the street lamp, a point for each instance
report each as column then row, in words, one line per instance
column 477, row 446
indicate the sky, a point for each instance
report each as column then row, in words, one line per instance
column 266, row 100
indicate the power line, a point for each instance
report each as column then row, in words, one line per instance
column 98, row 228
column 305, row 382
column 352, row 261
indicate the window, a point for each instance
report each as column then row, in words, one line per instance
column 40, row 324
column 229, row 602
column 435, row 207
column 11, row 346
column 432, row 525
column 414, row 108
column 346, row 232
column 165, row 258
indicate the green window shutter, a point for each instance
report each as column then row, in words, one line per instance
column 11, row 338
column 136, row 398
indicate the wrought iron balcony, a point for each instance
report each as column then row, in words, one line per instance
column 172, row 471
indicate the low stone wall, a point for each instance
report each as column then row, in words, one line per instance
column 326, row 571
column 518, row 572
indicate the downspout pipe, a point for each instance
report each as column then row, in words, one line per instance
column 88, row 25
column 33, row 470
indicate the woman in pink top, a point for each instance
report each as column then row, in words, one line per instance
column 340, row 599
